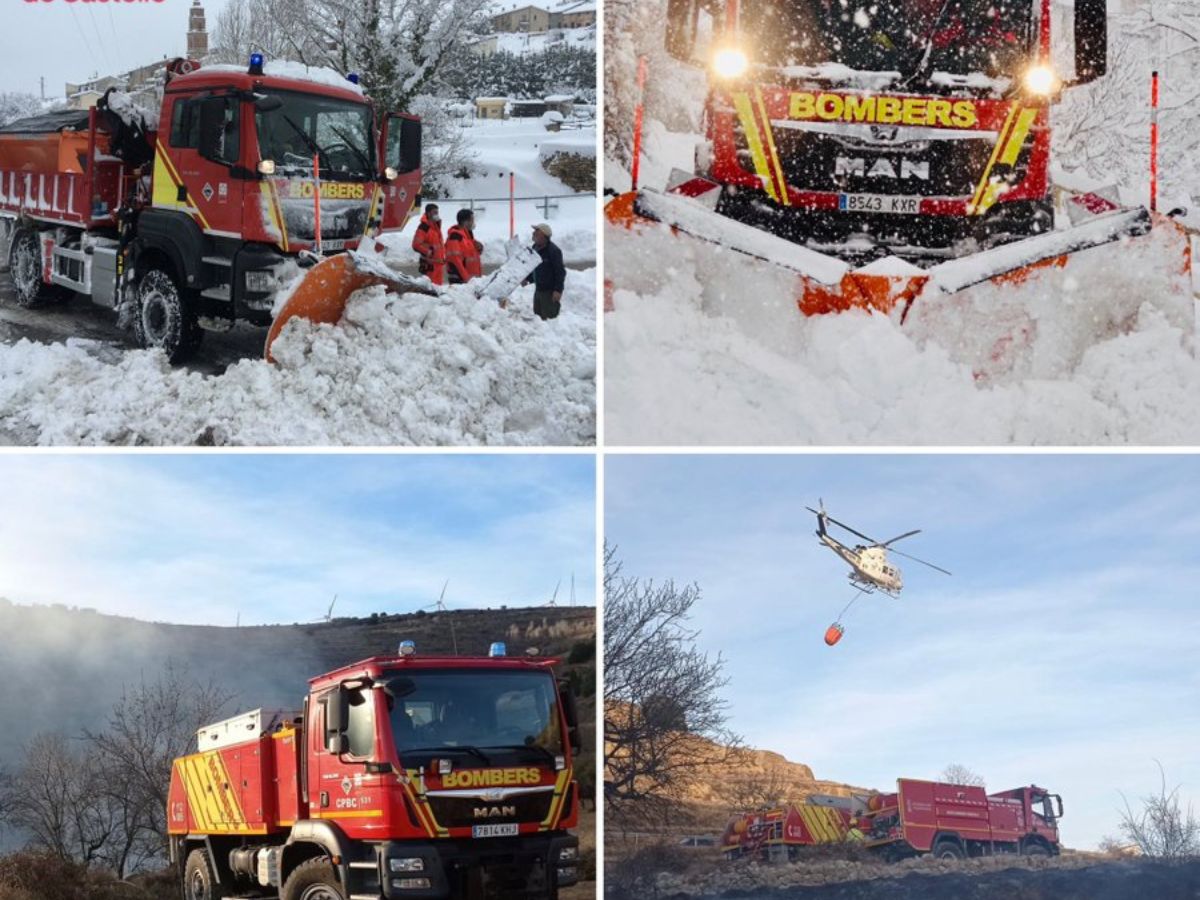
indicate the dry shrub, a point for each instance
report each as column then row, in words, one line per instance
column 36, row 875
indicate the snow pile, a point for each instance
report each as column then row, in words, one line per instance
column 131, row 112
column 405, row 369
column 581, row 142
column 706, row 347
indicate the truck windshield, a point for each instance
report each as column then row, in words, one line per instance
column 956, row 37
column 308, row 125
column 494, row 715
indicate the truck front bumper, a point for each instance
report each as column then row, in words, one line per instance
column 524, row 866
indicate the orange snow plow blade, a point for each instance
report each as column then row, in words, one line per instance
column 830, row 285
column 321, row 297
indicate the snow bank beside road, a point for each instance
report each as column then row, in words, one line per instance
column 403, row 369
column 708, row 347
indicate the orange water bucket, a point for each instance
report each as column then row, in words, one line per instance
column 834, row 633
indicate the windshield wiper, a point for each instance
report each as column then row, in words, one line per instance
column 362, row 157
column 307, row 138
column 547, row 754
column 927, row 48
column 448, row 748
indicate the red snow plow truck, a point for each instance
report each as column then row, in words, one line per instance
column 878, row 150
column 192, row 216
column 950, row 821
column 402, row 776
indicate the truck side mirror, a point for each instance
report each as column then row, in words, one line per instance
column 1058, row 805
column 680, row 39
column 571, row 712
column 410, row 146
column 1091, row 40
column 337, row 720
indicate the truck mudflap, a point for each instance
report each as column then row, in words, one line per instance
column 827, row 284
column 526, row 867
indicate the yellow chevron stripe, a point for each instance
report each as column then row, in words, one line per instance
column 1016, row 142
column 198, row 797
column 349, row 814
column 165, row 191
column 556, row 803
column 774, row 156
column 981, row 191
column 277, row 214
column 741, row 103
column 424, row 812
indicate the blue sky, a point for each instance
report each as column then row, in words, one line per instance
column 73, row 41
column 1063, row 651
column 201, row 538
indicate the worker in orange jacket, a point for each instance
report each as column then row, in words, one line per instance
column 428, row 242
column 464, row 254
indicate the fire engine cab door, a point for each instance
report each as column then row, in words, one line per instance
column 199, row 171
column 344, row 741
column 400, row 149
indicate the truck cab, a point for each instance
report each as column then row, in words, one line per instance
column 914, row 128
column 404, row 776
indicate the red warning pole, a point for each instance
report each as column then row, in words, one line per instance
column 317, row 199
column 637, row 120
column 1154, row 94
column 512, row 204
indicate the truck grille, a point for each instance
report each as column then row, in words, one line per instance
column 816, row 161
column 339, row 219
column 456, row 812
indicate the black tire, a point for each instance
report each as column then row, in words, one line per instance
column 313, row 879
column 948, row 850
column 1035, row 848
column 199, row 882
column 163, row 318
column 25, row 269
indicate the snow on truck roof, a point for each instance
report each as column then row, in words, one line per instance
column 273, row 69
column 48, row 123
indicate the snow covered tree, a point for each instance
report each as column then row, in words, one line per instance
column 14, row 105
column 396, row 46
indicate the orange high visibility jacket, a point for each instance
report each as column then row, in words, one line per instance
column 428, row 242
column 463, row 255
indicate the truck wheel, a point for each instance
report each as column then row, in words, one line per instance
column 313, row 879
column 163, row 318
column 1035, row 849
column 25, row 266
column 199, row 883
column 948, row 850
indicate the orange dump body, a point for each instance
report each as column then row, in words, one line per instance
column 63, row 176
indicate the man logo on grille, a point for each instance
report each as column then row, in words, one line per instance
column 494, row 812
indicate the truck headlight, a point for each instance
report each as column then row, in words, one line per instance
column 260, row 281
column 407, row 864
column 1041, row 80
column 412, row 884
column 730, row 62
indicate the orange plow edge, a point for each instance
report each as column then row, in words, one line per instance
column 829, row 285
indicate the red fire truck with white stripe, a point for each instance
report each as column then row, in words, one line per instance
column 402, row 777
column 190, row 220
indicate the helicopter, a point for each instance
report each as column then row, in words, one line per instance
column 870, row 570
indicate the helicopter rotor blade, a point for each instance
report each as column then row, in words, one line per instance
column 851, row 530
column 899, row 538
column 921, row 561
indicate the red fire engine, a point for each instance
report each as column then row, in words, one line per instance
column 402, row 776
column 953, row 821
column 191, row 221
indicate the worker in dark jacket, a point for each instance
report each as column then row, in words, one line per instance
column 464, row 254
column 550, row 276
column 428, row 242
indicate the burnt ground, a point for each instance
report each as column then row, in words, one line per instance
column 1115, row 880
